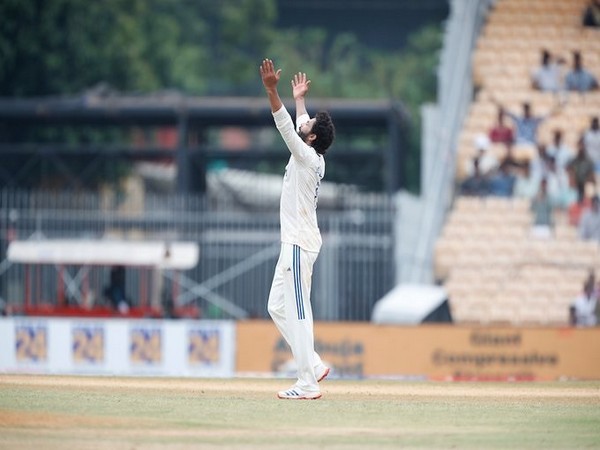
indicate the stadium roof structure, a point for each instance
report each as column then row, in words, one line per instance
column 172, row 107
column 99, row 108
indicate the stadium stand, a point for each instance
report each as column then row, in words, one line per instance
column 507, row 52
column 493, row 270
column 496, row 273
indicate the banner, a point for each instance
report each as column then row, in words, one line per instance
column 117, row 346
column 356, row 350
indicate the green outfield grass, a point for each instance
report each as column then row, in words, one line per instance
column 45, row 413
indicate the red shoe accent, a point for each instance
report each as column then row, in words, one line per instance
column 324, row 375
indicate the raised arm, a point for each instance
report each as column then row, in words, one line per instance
column 300, row 85
column 270, row 78
column 283, row 121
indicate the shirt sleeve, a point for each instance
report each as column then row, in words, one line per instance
column 298, row 148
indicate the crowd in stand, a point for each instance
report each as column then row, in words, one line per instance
column 557, row 176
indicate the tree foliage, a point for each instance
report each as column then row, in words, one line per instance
column 66, row 46
column 200, row 47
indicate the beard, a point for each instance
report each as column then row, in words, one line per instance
column 302, row 135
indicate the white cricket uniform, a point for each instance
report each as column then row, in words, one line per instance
column 289, row 300
column 585, row 311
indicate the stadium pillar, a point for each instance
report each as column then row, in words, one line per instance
column 394, row 155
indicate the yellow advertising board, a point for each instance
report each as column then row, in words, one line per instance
column 430, row 351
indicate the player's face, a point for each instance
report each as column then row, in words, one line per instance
column 306, row 129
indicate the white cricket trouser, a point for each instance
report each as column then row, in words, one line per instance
column 289, row 306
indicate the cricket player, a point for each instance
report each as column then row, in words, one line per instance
column 289, row 300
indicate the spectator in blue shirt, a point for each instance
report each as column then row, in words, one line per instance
column 526, row 125
column 477, row 184
column 579, row 79
column 502, row 183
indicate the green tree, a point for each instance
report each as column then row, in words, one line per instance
column 201, row 47
column 66, row 46
column 241, row 33
column 412, row 78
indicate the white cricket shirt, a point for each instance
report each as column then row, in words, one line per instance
column 585, row 311
column 299, row 195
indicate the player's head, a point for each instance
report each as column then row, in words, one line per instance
column 319, row 132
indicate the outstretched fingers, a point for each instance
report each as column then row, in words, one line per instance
column 268, row 72
column 299, row 78
column 266, row 66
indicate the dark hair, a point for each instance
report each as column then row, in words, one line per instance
column 324, row 130
column 546, row 55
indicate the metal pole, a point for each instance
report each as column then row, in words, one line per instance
column 183, row 159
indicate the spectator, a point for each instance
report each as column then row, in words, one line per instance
column 539, row 166
column 515, row 166
column 559, row 191
column 542, row 209
column 561, row 153
column 487, row 161
column 579, row 79
column 589, row 222
column 547, row 76
column 520, row 169
column 591, row 15
column 591, row 139
column 583, row 309
column 502, row 182
column 476, row 184
column 577, row 208
column 501, row 133
column 115, row 291
column 581, row 170
column 527, row 125
column 591, row 278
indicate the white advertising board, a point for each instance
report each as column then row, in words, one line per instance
column 117, row 346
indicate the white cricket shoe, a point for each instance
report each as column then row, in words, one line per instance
column 295, row 393
column 324, row 374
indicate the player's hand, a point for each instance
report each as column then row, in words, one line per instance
column 270, row 76
column 300, row 85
